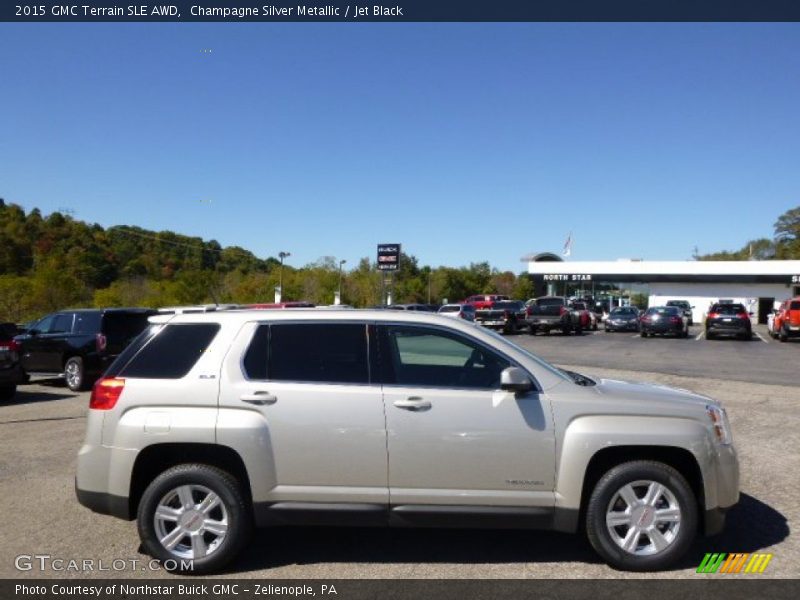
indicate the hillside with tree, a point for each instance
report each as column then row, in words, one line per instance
column 50, row 262
column 784, row 245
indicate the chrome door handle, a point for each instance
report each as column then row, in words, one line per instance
column 413, row 403
column 259, row 398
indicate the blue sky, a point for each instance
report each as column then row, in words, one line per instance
column 464, row 142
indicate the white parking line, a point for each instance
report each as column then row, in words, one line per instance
column 699, row 335
column 637, row 335
column 761, row 338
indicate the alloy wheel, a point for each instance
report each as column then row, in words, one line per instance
column 643, row 518
column 191, row 521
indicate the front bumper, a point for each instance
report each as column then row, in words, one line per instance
column 722, row 489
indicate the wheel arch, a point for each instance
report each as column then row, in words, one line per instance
column 681, row 459
column 154, row 459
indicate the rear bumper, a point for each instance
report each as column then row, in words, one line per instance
column 662, row 329
column 632, row 326
column 105, row 504
column 726, row 329
column 12, row 375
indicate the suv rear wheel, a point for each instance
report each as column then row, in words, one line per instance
column 641, row 516
column 75, row 374
column 194, row 512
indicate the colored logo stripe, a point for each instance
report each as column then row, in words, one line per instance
column 721, row 562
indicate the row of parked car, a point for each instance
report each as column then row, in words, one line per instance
column 556, row 313
column 78, row 345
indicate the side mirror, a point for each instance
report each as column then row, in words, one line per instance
column 514, row 379
column 33, row 332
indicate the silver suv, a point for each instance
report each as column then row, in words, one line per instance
column 208, row 424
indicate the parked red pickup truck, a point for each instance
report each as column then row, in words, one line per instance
column 786, row 322
column 481, row 301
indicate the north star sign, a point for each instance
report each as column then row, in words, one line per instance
column 565, row 277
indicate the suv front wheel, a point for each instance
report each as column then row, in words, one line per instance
column 194, row 514
column 642, row 516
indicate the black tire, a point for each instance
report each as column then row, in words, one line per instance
column 75, row 374
column 783, row 335
column 600, row 501
column 229, row 491
column 7, row 392
column 643, row 334
column 532, row 329
column 709, row 335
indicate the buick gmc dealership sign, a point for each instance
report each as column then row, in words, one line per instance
column 388, row 257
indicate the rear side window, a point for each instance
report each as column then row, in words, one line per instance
column 454, row 308
column 794, row 306
column 550, row 302
column 318, row 352
column 171, row 352
column 87, row 322
column 124, row 326
column 729, row 309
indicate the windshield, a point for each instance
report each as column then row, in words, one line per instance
column 623, row 311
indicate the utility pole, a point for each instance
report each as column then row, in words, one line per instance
column 338, row 299
column 279, row 292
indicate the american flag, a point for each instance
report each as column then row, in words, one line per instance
column 568, row 245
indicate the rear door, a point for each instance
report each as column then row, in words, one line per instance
column 326, row 430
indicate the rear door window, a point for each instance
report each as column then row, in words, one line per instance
column 318, row 352
column 167, row 352
column 62, row 323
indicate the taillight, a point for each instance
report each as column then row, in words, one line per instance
column 507, row 314
column 674, row 319
column 743, row 315
column 529, row 311
column 106, row 392
column 13, row 346
column 100, row 342
column 563, row 310
column 712, row 315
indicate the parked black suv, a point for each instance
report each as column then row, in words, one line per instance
column 79, row 344
column 10, row 371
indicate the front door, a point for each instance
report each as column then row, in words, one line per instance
column 454, row 437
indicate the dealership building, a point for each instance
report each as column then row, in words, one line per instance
column 758, row 284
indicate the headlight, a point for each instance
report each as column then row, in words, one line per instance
column 720, row 424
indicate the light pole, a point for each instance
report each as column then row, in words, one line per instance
column 341, row 263
column 279, row 294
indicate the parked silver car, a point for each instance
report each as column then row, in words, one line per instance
column 210, row 423
column 458, row 311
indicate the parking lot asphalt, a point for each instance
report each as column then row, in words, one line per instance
column 759, row 360
column 42, row 429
